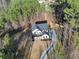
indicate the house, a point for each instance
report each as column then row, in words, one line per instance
column 40, row 30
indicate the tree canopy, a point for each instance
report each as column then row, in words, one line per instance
column 15, row 8
column 72, row 13
column 19, row 7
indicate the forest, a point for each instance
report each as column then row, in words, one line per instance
column 15, row 17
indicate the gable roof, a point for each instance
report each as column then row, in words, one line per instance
column 42, row 25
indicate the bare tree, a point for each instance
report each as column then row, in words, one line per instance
column 4, row 3
column 67, row 41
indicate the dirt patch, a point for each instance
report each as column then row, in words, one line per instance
column 74, row 54
column 37, row 49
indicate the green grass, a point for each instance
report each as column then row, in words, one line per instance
column 1, row 55
column 58, row 52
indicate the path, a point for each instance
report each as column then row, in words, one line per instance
column 37, row 48
column 74, row 54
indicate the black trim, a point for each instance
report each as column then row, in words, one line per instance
column 39, row 22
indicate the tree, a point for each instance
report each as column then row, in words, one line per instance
column 16, row 8
column 72, row 13
column 24, row 8
column 68, row 11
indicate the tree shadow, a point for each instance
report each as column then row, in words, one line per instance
column 59, row 11
column 20, row 43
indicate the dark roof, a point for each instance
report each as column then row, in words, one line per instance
column 33, row 27
column 40, row 22
column 41, row 25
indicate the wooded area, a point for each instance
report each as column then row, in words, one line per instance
column 15, row 17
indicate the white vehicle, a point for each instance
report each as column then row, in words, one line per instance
column 45, row 36
column 37, row 32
